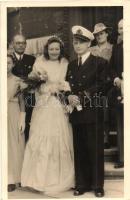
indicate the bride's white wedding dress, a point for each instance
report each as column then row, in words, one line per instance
column 48, row 162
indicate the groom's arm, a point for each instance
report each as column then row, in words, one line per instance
column 99, row 84
column 69, row 96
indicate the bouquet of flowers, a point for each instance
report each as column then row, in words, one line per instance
column 32, row 82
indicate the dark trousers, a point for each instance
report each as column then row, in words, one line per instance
column 120, row 133
column 29, row 105
column 89, row 155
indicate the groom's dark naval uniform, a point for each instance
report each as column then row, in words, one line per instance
column 23, row 66
column 87, row 82
column 87, row 76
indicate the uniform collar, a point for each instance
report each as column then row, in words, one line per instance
column 85, row 56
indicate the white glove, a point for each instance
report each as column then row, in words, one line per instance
column 117, row 82
column 22, row 122
column 73, row 100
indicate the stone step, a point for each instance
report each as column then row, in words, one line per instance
column 112, row 173
column 113, row 138
column 110, row 155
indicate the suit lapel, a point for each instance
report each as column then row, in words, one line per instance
column 75, row 67
column 86, row 64
column 24, row 56
column 15, row 58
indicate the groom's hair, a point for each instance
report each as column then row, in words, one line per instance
column 50, row 41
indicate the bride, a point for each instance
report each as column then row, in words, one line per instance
column 48, row 161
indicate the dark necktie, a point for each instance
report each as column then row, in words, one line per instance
column 20, row 57
column 80, row 62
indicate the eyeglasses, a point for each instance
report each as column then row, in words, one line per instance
column 20, row 43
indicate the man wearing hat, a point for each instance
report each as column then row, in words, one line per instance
column 103, row 49
column 86, row 76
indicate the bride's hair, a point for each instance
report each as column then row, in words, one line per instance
column 50, row 41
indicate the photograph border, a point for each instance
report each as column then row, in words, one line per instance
column 3, row 78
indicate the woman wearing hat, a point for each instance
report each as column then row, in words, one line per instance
column 86, row 75
column 103, row 49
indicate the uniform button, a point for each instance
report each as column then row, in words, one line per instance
column 79, row 84
column 72, row 84
column 84, row 76
column 71, row 77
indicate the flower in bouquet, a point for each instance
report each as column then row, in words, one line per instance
column 32, row 82
column 37, row 75
column 64, row 86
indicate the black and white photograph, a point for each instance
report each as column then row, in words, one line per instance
column 65, row 102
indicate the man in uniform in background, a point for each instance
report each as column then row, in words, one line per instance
column 23, row 66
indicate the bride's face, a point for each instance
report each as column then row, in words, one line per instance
column 54, row 51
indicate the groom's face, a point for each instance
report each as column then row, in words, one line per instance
column 81, row 46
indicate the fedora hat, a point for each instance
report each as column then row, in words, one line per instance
column 100, row 27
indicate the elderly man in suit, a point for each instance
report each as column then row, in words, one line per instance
column 23, row 66
column 86, row 76
column 116, row 71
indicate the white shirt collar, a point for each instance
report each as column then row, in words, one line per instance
column 18, row 56
column 85, row 56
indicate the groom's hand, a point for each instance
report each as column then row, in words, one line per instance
column 73, row 100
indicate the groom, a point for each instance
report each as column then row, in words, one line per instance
column 86, row 76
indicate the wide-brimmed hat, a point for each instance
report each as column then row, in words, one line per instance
column 100, row 27
column 82, row 33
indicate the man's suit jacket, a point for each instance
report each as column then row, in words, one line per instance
column 88, row 82
column 116, row 62
column 115, row 70
column 24, row 67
